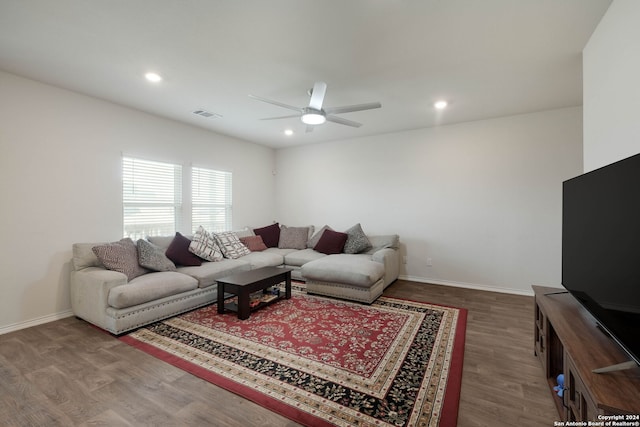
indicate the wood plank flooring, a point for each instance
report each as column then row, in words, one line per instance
column 68, row 373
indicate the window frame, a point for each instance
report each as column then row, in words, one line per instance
column 189, row 206
column 221, row 179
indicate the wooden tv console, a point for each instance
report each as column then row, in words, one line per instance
column 568, row 341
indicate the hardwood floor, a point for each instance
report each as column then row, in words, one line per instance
column 502, row 381
column 68, row 373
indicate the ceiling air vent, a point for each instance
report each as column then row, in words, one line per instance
column 207, row 114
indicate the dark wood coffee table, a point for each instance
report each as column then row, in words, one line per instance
column 244, row 284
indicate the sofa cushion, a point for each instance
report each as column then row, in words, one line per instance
column 263, row 259
column 178, row 252
column 331, row 242
column 383, row 241
column 293, row 237
column 204, row 245
column 253, row 243
column 357, row 241
column 120, row 256
column 150, row 287
column 230, row 245
column 208, row 272
column 270, row 234
column 161, row 241
column 281, row 252
column 84, row 257
column 152, row 257
column 356, row 270
column 244, row 232
column 298, row 258
column 313, row 240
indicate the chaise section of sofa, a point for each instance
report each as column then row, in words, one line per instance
column 357, row 277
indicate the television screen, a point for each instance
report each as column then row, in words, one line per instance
column 601, row 248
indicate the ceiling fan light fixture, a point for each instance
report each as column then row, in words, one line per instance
column 313, row 118
column 314, row 114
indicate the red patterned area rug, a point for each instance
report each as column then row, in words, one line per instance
column 325, row 362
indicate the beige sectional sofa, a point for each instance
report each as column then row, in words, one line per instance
column 107, row 299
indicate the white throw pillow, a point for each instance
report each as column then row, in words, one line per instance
column 231, row 245
column 205, row 246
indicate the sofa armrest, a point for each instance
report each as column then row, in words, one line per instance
column 90, row 292
column 390, row 258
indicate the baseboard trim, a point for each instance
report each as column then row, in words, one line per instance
column 35, row 322
column 68, row 313
column 468, row 285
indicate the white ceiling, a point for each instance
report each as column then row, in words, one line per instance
column 488, row 58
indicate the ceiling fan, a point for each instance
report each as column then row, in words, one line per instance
column 314, row 114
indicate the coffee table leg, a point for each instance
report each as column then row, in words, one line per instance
column 220, row 298
column 243, row 305
column 287, row 286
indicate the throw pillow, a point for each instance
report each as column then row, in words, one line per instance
column 152, row 257
column 204, row 245
column 253, row 243
column 230, row 245
column 120, row 256
column 331, row 242
column 178, row 252
column 357, row 241
column 313, row 241
column 270, row 234
column 293, row 237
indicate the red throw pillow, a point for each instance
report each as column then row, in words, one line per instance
column 331, row 242
column 178, row 252
column 270, row 234
column 254, row 243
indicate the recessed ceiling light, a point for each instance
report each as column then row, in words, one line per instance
column 288, row 132
column 153, row 77
column 440, row 105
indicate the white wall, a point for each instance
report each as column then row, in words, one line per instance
column 60, row 183
column 482, row 199
column 611, row 68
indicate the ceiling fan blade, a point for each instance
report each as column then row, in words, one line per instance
column 279, row 104
column 281, row 117
column 350, row 108
column 317, row 95
column 342, row 121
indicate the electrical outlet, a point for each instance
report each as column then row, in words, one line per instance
column 429, row 262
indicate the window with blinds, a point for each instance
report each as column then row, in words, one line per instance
column 152, row 197
column 211, row 202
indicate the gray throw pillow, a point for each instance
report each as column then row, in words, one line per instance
column 293, row 237
column 357, row 241
column 152, row 257
column 120, row 256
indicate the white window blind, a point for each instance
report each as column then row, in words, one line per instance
column 211, row 199
column 152, row 197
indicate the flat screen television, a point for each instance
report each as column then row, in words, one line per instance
column 601, row 248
